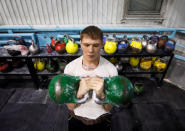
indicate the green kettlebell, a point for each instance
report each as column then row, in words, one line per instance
column 63, row 89
column 138, row 88
column 118, row 90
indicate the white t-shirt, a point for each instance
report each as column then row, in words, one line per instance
column 90, row 109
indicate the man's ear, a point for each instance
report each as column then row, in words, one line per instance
column 102, row 45
column 81, row 43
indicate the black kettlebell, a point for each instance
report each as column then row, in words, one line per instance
column 51, row 65
column 12, row 52
column 19, row 40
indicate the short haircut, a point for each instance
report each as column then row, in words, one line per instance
column 93, row 32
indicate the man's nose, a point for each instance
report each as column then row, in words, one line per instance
column 91, row 48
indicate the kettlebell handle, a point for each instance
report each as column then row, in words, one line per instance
column 136, row 39
column 53, row 38
column 154, row 38
column 68, row 37
column 153, row 42
column 96, row 99
column 84, row 99
column 7, row 43
column 94, row 96
column 173, row 41
column 164, row 37
column 19, row 36
column 145, row 37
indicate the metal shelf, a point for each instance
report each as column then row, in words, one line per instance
column 143, row 53
column 28, row 69
column 44, row 54
column 17, row 71
column 4, row 54
column 45, row 72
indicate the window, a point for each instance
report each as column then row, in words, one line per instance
column 144, row 9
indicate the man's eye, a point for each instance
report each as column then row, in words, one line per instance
column 97, row 45
column 85, row 45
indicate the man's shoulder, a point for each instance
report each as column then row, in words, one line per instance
column 107, row 65
column 75, row 61
column 71, row 66
column 106, row 62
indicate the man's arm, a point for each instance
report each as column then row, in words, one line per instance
column 107, row 107
column 87, row 84
column 82, row 90
column 71, row 106
column 97, row 84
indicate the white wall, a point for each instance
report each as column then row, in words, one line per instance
column 60, row 12
column 175, row 15
column 80, row 12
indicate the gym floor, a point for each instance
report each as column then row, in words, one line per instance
column 24, row 108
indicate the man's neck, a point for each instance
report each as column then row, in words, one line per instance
column 90, row 64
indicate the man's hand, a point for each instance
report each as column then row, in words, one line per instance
column 97, row 84
column 83, row 88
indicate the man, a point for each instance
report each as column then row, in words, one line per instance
column 92, row 68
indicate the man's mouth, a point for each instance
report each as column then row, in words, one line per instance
column 90, row 55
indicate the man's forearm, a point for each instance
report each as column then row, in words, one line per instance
column 71, row 106
column 107, row 107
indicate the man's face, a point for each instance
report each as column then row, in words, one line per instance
column 91, row 48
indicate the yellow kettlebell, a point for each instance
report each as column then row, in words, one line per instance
column 110, row 47
column 159, row 66
column 39, row 65
column 134, row 61
column 136, row 46
column 71, row 47
column 145, row 63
